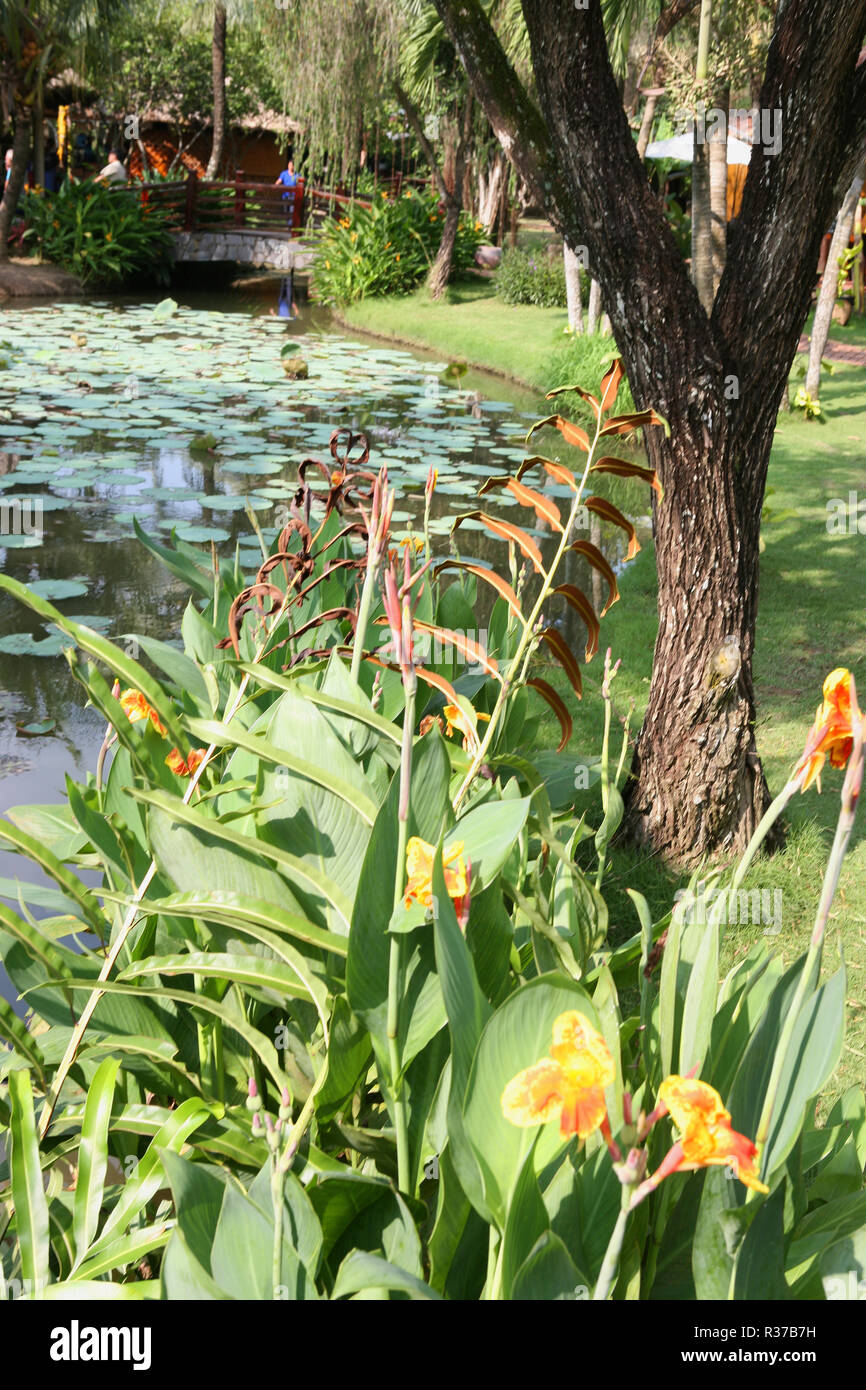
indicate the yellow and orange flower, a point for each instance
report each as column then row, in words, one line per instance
column 832, row 734
column 136, row 708
column 706, row 1136
column 428, row 722
column 184, row 767
column 569, row 1083
column 419, row 871
column 457, row 718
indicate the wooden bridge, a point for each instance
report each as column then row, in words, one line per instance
column 240, row 220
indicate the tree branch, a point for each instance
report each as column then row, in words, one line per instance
column 516, row 121
column 427, row 150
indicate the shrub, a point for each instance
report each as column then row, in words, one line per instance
column 102, row 236
column 387, row 248
column 532, row 277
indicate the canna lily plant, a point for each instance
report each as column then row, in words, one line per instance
column 345, row 988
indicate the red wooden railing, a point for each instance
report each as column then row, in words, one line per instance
column 199, row 205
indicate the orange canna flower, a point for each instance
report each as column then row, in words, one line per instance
column 184, row 768
column 457, row 718
column 419, row 870
column 136, row 708
column 832, row 734
column 428, row 722
column 706, row 1136
column 569, row 1083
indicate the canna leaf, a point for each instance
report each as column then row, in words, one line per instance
column 508, row 532
column 598, row 562
column 571, row 433
column 609, row 512
column 557, row 471
column 547, row 693
column 577, row 599
column 561, row 650
column 93, row 1156
column 621, row 468
column 28, row 1194
column 502, row 587
column 544, row 508
column 610, row 384
column 586, row 395
column 476, row 654
column 624, row 424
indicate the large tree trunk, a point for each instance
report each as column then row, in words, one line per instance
column 219, row 90
column 697, row 786
column 15, row 183
column 827, row 294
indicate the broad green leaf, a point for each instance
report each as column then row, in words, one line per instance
column 242, row 913
column 760, row 1274
column 518, row 1035
column 361, row 1272
column 812, row 1056
column 93, row 1156
column 149, row 1175
column 488, row 834
column 308, row 877
column 28, row 1194
column 700, row 1002
column 125, row 1251
column 548, row 1273
column 229, row 736
column 526, row 1222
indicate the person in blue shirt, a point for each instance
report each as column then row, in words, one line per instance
column 288, row 179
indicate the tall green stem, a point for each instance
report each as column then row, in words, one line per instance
column 610, row 1264
column 395, row 961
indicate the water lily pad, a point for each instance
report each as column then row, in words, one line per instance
column 57, row 589
column 38, row 728
column 202, row 533
column 25, row 644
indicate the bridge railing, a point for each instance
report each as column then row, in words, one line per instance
column 198, row 205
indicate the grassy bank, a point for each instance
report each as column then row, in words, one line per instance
column 812, row 618
column 470, row 324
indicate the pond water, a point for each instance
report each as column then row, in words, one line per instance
column 181, row 416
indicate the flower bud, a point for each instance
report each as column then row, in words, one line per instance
column 254, row 1100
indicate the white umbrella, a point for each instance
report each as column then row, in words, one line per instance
column 681, row 149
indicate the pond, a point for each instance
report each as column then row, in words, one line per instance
column 181, row 417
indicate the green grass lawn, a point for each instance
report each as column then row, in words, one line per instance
column 812, row 617
column 470, row 324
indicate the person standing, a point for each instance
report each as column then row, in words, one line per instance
column 288, row 179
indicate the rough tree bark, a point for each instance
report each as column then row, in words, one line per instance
column 15, row 183
column 827, row 294
column 697, row 787
column 219, row 91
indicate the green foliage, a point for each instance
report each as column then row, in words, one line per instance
column 103, row 236
column 387, row 248
column 532, row 277
column 287, row 1080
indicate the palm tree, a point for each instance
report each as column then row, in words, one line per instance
column 219, row 89
column 37, row 39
